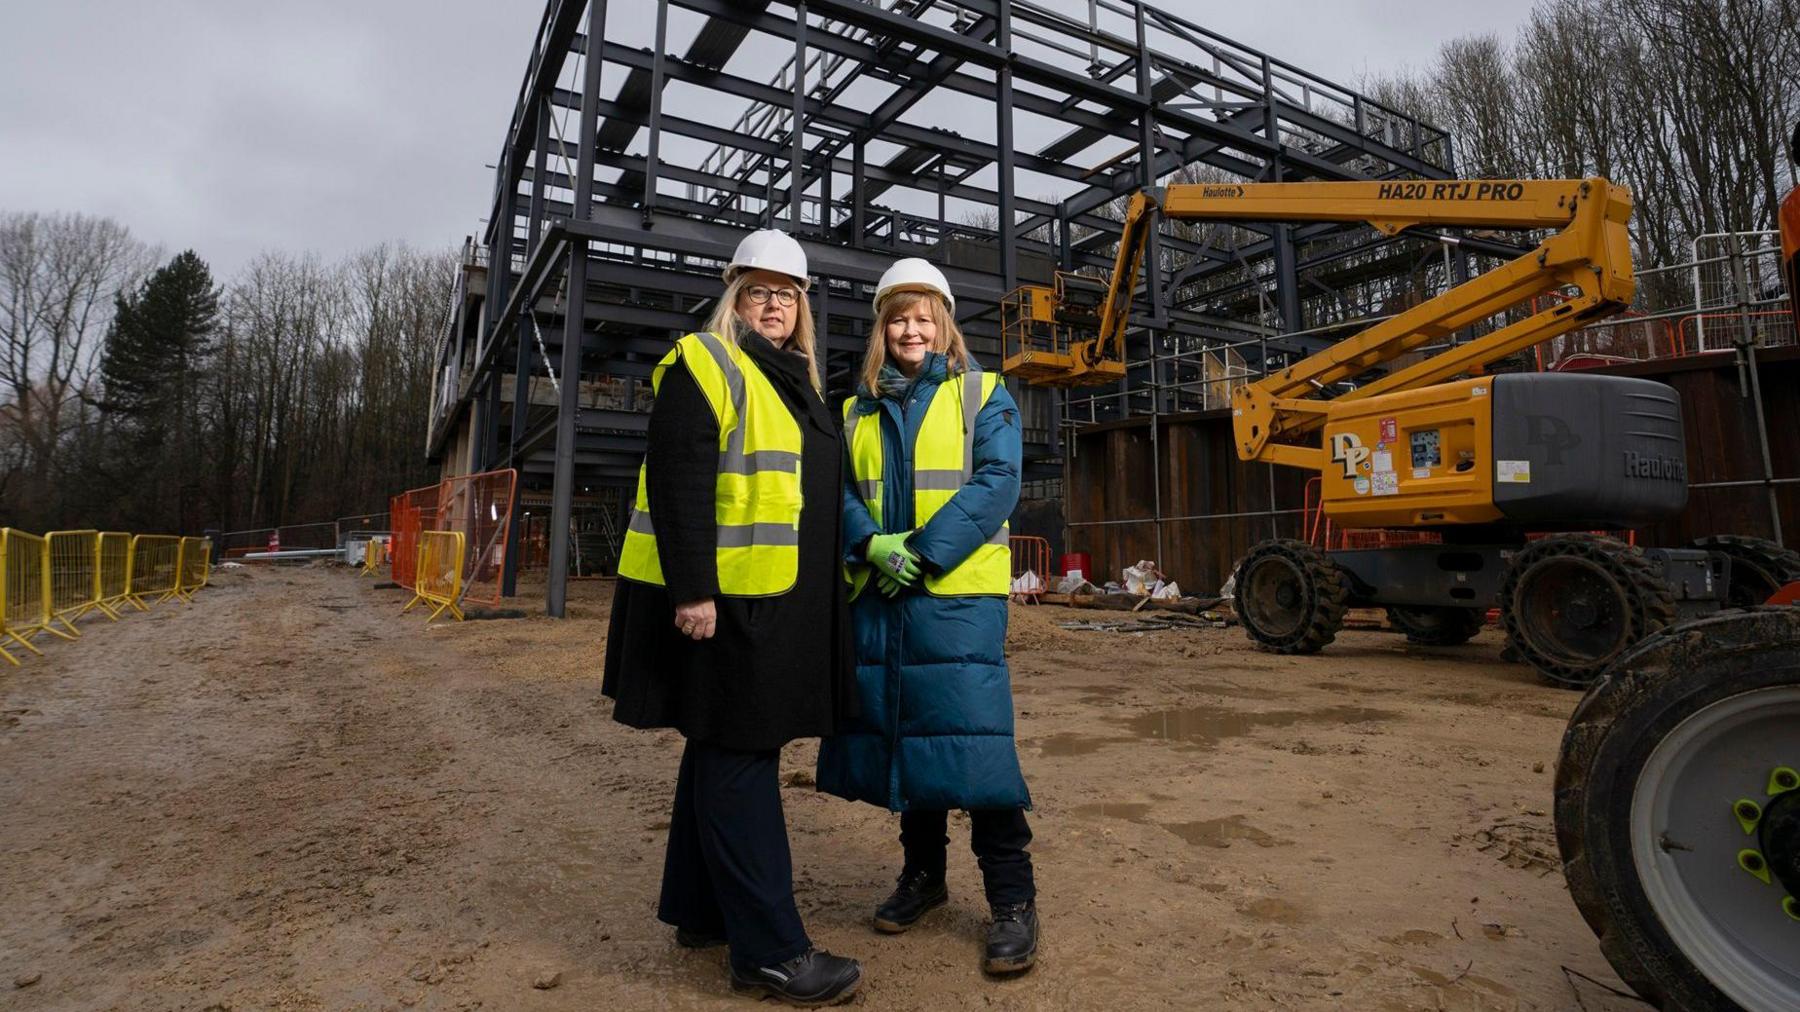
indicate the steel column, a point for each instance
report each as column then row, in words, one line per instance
column 574, row 325
column 797, row 125
column 525, row 358
column 858, row 197
column 652, row 167
column 1287, row 273
column 1003, row 140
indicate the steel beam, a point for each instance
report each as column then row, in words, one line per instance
column 563, row 481
column 1003, row 140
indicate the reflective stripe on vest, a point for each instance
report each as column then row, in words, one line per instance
column 943, row 462
column 757, row 495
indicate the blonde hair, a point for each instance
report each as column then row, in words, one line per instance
column 949, row 341
column 731, row 327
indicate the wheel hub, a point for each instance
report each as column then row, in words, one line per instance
column 1573, row 611
column 1778, row 833
column 1274, row 596
column 1581, row 613
column 1712, row 835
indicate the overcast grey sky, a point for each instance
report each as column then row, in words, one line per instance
column 332, row 125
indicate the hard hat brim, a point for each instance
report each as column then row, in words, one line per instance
column 921, row 287
column 730, row 274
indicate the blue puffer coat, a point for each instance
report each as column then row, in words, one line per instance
column 936, row 730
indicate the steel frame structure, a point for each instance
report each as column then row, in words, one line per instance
column 619, row 194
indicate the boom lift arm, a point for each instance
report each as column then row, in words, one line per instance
column 1591, row 253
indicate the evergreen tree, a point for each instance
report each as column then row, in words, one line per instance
column 160, row 341
column 157, row 359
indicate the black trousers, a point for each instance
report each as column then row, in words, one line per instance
column 728, row 870
column 998, row 836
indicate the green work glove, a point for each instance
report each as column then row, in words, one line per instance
column 890, row 557
column 889, row 586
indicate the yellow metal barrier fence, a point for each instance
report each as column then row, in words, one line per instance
column 438, row 578
column 155, row 567
column 113, row 577
column 194, row 567
column 25, row 595
column 74, row 560
column 374, row 550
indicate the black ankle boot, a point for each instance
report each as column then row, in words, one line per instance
column 1012, row 939
column 809, row 980
column 917, row 892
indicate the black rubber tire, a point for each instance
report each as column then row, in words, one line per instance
column 1319, row 591
column 1648, row 606
column 1616, row 727
column 1437, row 626
column 1759, row 567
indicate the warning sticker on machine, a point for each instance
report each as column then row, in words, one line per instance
column 1513, row 470
column 1390, row 429
column 1385, row 483
column 1361, row 485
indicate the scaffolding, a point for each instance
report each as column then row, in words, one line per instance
column 995, row 137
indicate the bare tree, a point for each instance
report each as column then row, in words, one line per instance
column 1477, row 100
column 59, row 275
column 1724, row 95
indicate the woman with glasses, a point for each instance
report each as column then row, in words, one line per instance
column 934, row 473
column 729, row 623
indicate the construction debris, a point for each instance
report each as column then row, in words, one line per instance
column 1141, row 625
column 1143, row 578
column 1028, row 584
column 1133, row 602
column 1166, row 619
column 1075, row 583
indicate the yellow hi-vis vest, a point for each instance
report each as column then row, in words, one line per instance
column 757, row 496
column 943, row 462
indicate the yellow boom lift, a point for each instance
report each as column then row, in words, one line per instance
column 1481, row 460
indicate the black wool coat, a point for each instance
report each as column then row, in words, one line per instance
column 778, row 668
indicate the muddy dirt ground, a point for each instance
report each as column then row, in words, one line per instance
column 287, row 795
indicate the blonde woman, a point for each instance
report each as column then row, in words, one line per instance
column 729, row 623
column 934, row 459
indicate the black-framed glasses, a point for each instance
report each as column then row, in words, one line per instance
column 761, row 294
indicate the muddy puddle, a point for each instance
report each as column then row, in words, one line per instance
column 1071, row 744
column 1127, row 811
column 1218, row 833
column 1222, row 833
column 1201, row 726
column 1206, row 726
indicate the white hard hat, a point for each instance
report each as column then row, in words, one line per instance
column 769, row 249
column 913, row 275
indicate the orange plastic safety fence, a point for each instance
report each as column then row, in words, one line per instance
column 1029, row 555
column 410, row 512
column 479, row 506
